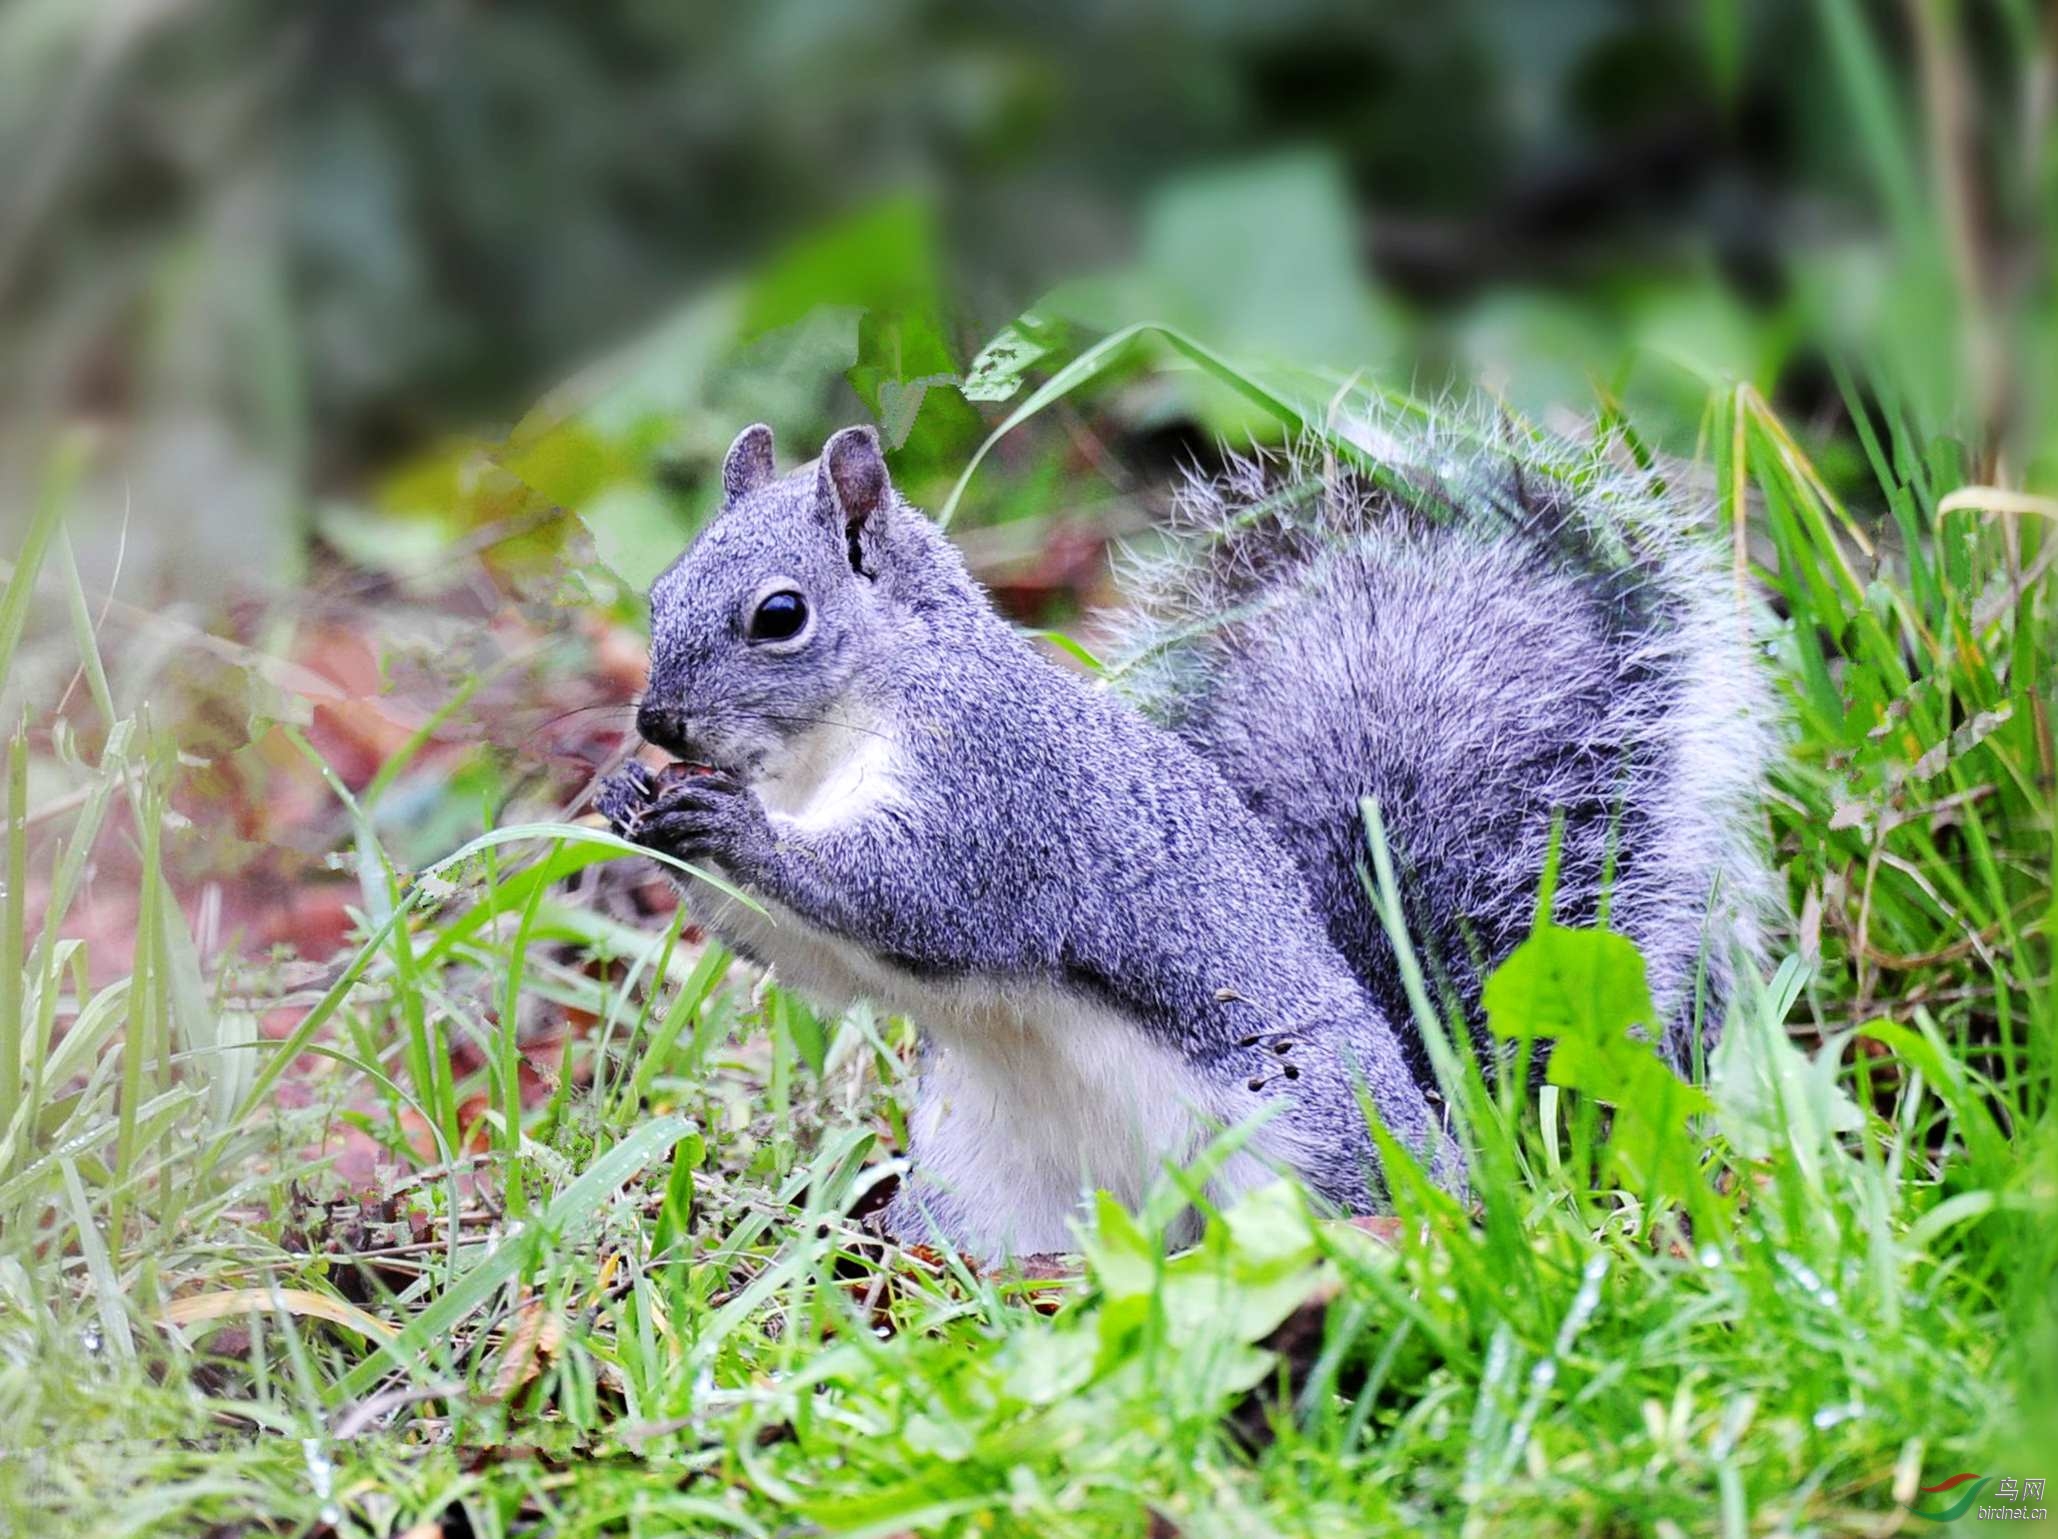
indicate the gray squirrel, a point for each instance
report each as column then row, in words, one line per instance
column 1131, row 914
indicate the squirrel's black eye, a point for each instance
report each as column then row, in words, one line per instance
column 779, row 616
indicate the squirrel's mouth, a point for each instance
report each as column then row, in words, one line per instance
column 683, row 769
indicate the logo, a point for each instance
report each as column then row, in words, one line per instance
column 2014, row 1497
column 1957, row 1508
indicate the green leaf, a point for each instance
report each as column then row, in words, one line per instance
column 637, row 531
column 1123, row 1258
column 1036, row 1368
column 1769, row 1094
column 880, row 270
column 1078, row 652
column 997, row 373
column 782, row 376
column 675, row 1217
column 1585, row 990
column 1215, row 249
column 805, row 1030
column 1254, row 1265
column 1581, row 984
column 1101, row 356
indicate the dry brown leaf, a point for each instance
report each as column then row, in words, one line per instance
column 1381, row 1226
column 295, row 1301
column 538, row 1335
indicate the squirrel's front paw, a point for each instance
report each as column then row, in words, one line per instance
column 625, row 796
column 706, row 816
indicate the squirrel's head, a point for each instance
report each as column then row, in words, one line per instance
column 760, row 630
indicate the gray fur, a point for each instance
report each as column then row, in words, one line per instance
column 1496, row 633
column 1128, row 934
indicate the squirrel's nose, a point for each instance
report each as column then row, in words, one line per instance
column 665, row 726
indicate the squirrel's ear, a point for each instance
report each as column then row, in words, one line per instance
column 748, row 465
column 851, row 484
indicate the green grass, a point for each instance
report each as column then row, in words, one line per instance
column 641, row 1308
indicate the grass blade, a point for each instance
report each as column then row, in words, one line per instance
column 570, row 1209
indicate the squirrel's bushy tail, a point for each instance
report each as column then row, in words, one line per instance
column 1492, row 631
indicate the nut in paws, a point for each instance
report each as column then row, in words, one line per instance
column 708, row 815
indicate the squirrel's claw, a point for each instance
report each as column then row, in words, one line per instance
column 712, row 816
column 625, row 795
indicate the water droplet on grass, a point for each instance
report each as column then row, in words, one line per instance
column 1810, row 1280
column 321, row 1473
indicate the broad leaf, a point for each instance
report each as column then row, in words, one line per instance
column 1585, row 991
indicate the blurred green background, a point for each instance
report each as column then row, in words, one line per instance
column 310, row 269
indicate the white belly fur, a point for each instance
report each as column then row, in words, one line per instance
column 1033, row 1096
